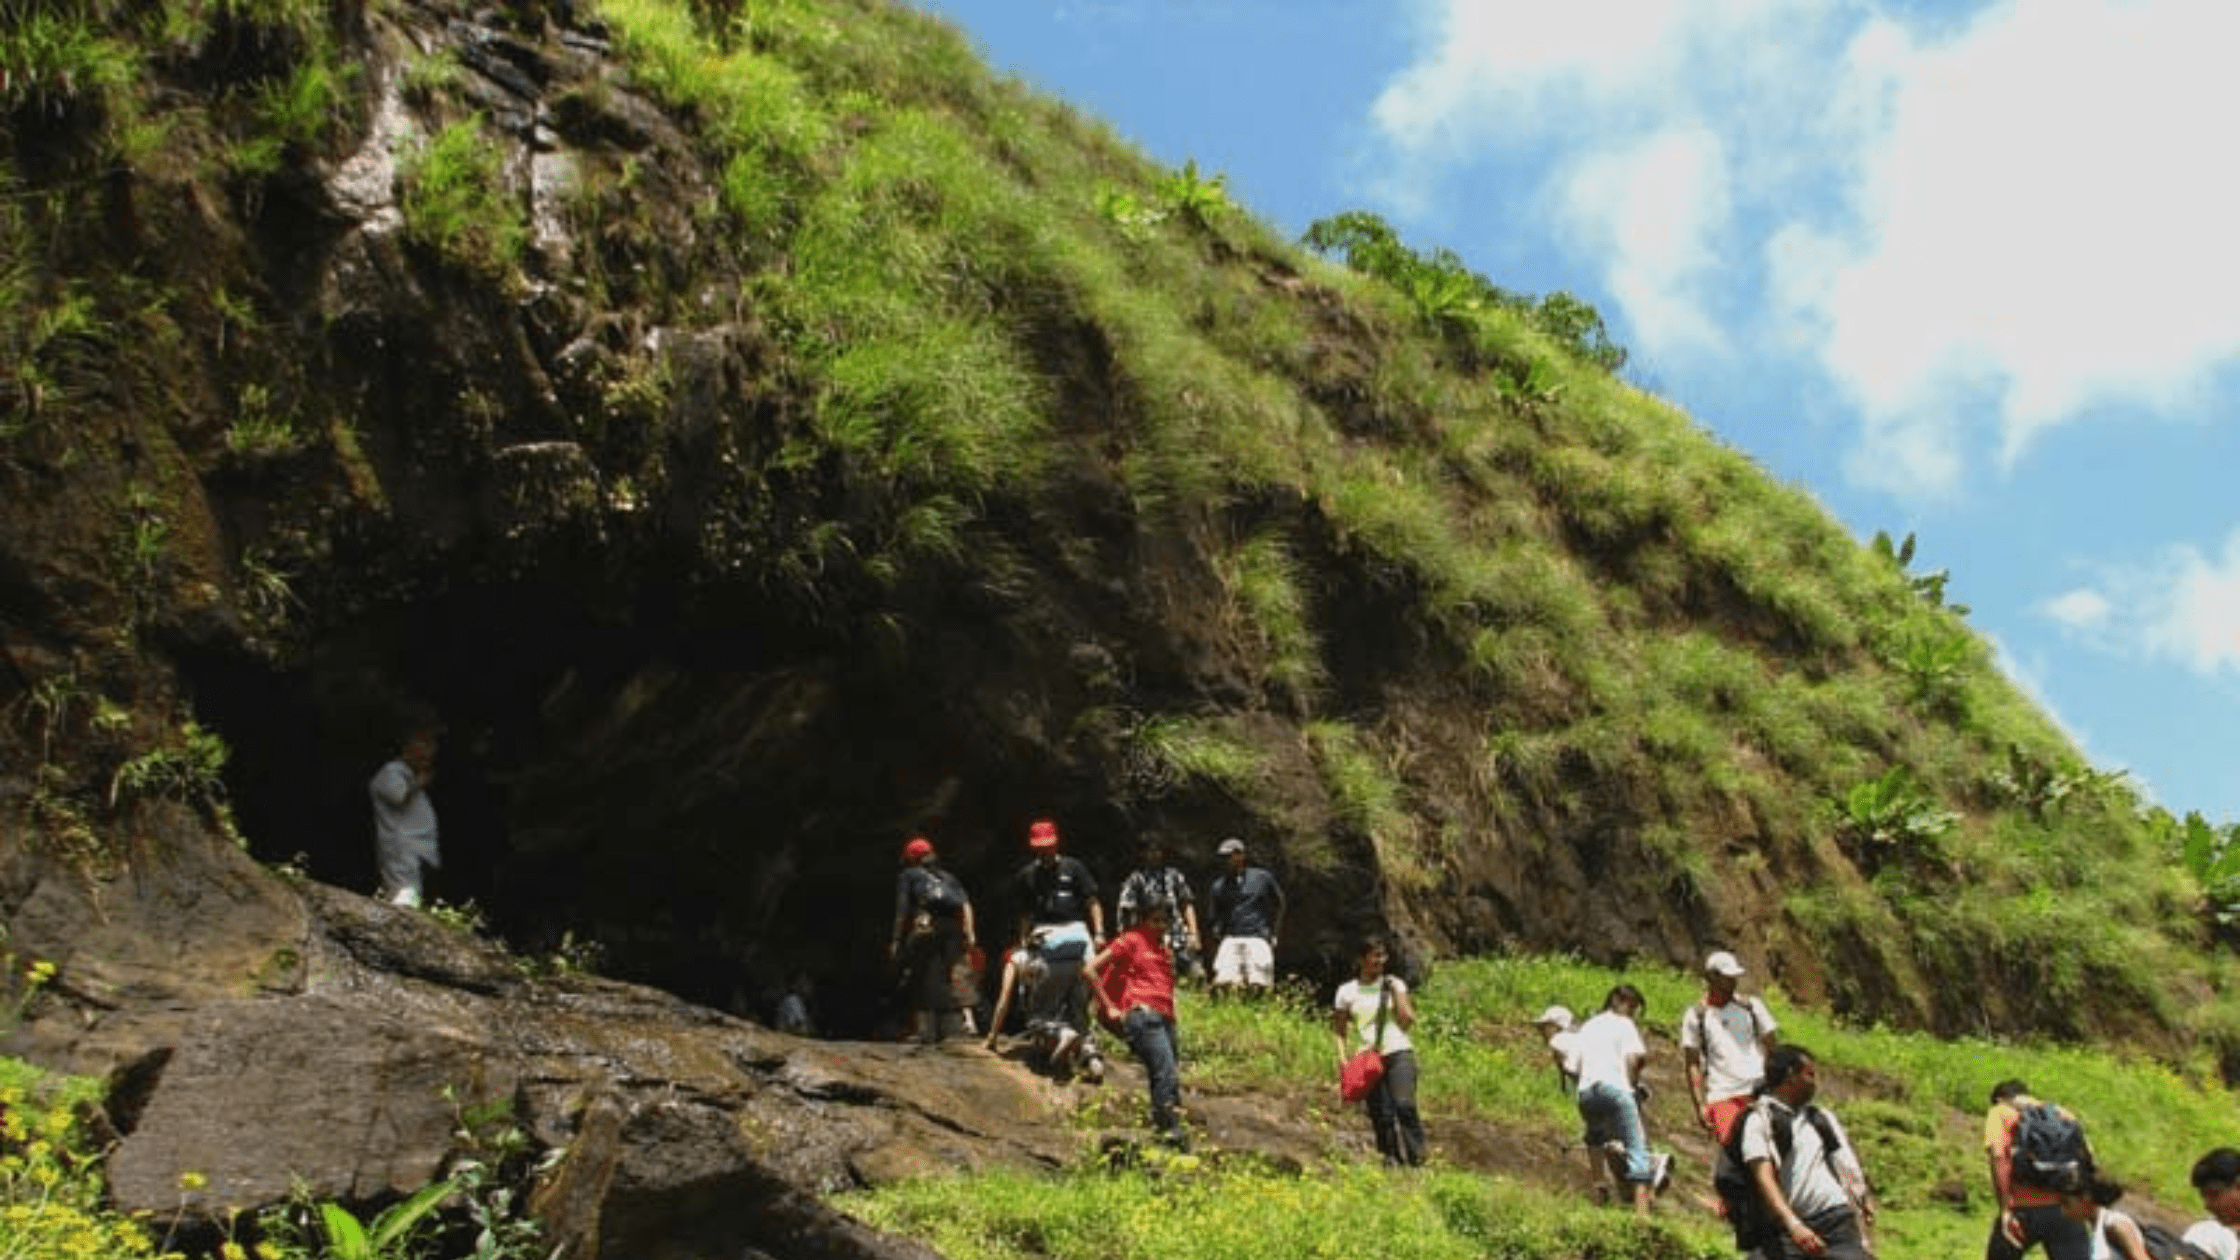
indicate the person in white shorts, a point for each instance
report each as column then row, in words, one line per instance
column 1247, row 910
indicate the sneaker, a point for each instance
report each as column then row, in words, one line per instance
column 1660, row 1172
column 1063, row 1051
column 1092, row 1069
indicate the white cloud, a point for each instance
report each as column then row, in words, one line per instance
column 2039, row 219
column 2083, row 610
column 1654, row 211
column 2183, row 607
column 1977, row 231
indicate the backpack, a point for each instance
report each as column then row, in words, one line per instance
column 940, row 892
column 2049, row 1149
column 2164, row 1245
column 1754, row 1223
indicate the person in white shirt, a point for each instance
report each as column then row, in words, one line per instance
column 1724, row 1040
column 2113, row 1234
column 1610, row 1055
column 1804, row 1166
column 2216, row 1178
column 404, row 819
column 1379, row 1008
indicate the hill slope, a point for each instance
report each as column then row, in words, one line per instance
column 761, row 434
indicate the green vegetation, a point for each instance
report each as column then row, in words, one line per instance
column 52, row 1207
column 456, row 204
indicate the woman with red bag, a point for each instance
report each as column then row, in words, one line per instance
column 1378, row 1005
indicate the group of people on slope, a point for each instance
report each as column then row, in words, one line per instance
column 1062, row 966
column 1783, row 1159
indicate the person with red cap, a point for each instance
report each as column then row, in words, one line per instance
column 933, row 930
column 1061, row 921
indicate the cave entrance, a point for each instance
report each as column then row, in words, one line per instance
column 716, row 814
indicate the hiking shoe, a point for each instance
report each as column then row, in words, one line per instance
column 1063, row 1051
column 1092, row 1069
column 1660, row 1172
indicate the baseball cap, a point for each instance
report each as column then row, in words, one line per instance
column 919, row 847
column 1723, row 963
column 1560, row 1016
column 1229, row 846
column 1042, row 835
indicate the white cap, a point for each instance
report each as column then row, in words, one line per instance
column 1229, row 846
column 1723, row 963
column 1560, row 1016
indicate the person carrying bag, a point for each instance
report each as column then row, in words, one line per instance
column 1383, row 1072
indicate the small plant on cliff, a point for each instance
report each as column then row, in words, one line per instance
column 1891, row 817
column 456, row 204
column 1171, row 750
column 1201, row 201
column 188, row 769
column 2209, row 853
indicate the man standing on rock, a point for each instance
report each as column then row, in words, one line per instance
column 404, row 819
column 1133, row 979
column 1157, row 881
column 1724, row 1040
column 1247, row 906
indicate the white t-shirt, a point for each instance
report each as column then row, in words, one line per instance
column 1807, row 1182
column 1360, row 1000
column 2215, row 1238
column 1605, row 1045
column 1728, row 1038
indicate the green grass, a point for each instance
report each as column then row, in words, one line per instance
column 456, row 204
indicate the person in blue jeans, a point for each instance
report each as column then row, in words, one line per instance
column 1133, row 978
column 1611, row 1054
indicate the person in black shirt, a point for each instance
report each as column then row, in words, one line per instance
column 933, row 931
column 1062, row 922
column 1056, row 888
column 1247, row 909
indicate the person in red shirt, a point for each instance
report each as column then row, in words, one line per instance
column 1133, row 978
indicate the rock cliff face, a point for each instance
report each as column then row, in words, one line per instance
column 330, row 476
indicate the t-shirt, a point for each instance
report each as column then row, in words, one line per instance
column 1361, row 1001
column 2214, row 1237
column 1998, row 1141
column 1734, row 1057
column 1164, row 886
column 1058, row 891
column 1564, row 1046
column 2102, row 1247
column 1248, row 904
column 1807, row 1182
column 1606, row 1044
column 1142, row 971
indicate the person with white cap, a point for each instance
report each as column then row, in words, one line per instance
column 1555, row 1026
column 1724, row 1041
column 1247, row 909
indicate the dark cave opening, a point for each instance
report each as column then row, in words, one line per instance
column 714, row 814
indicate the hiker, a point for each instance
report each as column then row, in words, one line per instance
column 1554, row 1025
column 1724, row 1041
column 1133, row 979
column 1156, row 880
column 2113, row 1234
column 1807, row 1174
column 2029, row 1212
column 933, row 929
column 1247, row 907
column 404, row 819
column 1044, row 976
column 2216, row 1178
column 1056, row 888
column 1378, row 1005
column 1610, row 1056
column 795, row 1011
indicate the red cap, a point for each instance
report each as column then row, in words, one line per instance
column 919, row 847
column 1042, row 835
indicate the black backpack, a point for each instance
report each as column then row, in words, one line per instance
column 2049, row 1149
column 940, row 892
column 1754, row 1223
column 2164, row 1245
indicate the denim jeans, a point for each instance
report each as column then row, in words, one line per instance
column 1612, row 1111
column 1151, row 1037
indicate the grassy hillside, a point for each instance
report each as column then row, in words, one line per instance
column 1466, row 606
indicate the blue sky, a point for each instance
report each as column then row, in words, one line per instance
column 1970, row 271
